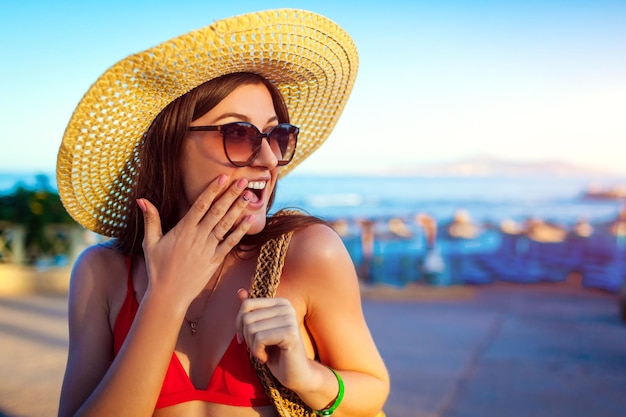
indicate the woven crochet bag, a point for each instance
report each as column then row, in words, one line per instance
column 266, row 280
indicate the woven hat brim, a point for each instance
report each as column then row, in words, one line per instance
column 311, row 60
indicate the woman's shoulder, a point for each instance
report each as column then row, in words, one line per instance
column 99, row 265
column 318, row 238
column 318, row 269
column 313, row 238
column 318, row 247
column 101, row 254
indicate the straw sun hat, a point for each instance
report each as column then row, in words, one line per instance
column 311, row 60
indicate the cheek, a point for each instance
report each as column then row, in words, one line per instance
column 273, row 190
column 193, row 181
column 257, row 226
column 199, row 168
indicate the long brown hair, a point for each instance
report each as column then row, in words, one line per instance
column 159, row 172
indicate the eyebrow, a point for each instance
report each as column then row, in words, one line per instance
column 242, row 117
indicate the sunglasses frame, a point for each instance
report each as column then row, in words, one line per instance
column 260, row 135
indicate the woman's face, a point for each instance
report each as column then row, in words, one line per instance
column 203, row 157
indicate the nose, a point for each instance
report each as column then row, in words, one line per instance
column 266, row 157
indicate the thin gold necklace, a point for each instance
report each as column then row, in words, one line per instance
column 193, row 324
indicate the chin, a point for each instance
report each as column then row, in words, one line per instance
column 258, row 225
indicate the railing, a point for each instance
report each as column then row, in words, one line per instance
column 12, row 240
column 59, row 245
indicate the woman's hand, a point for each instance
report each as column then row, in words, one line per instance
column 183, row 261
column 270, row 329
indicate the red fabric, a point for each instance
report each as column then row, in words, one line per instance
column 234, row 381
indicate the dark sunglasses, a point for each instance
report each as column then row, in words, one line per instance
column 242, row 141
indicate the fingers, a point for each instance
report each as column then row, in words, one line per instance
column 204, row 201
column 266, row 324
column 151, row 221
column 218, row 208
column 225, row 211
column 242, row 294
column 234, row 235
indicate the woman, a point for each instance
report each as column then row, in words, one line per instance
column 175, row 153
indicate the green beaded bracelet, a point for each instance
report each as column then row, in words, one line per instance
column 328, row 411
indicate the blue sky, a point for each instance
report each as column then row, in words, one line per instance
column 438, row 81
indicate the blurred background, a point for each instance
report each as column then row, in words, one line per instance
column 483, row 145
column 505, row 115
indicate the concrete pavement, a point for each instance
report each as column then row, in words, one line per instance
column 501, row 350
column 33, row 351
column 508, row 350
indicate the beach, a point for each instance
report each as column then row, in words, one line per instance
column 550, row 349
column 502, row 349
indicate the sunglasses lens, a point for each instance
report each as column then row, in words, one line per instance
column 283, row 140
column 243, row 142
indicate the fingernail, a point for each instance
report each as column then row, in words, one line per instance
column 222, row 180
column 246, row 196
column 242, row 183
column 250, row 219
column 239, row 338
column 142, row 205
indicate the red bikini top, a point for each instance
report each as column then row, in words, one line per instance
column 234, row 381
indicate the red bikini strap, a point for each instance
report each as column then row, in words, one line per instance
column 129, row 279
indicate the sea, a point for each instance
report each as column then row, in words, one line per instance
column 486, row 199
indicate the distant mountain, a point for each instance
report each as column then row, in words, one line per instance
column 485, row 166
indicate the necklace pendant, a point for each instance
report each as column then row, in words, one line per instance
column 194, row 327
column 193, row 324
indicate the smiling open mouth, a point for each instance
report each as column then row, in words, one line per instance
column 257, row 188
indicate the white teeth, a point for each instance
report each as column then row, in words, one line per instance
column 257, row 185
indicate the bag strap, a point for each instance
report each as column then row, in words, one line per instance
column 266, row 279
column 269, row 266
